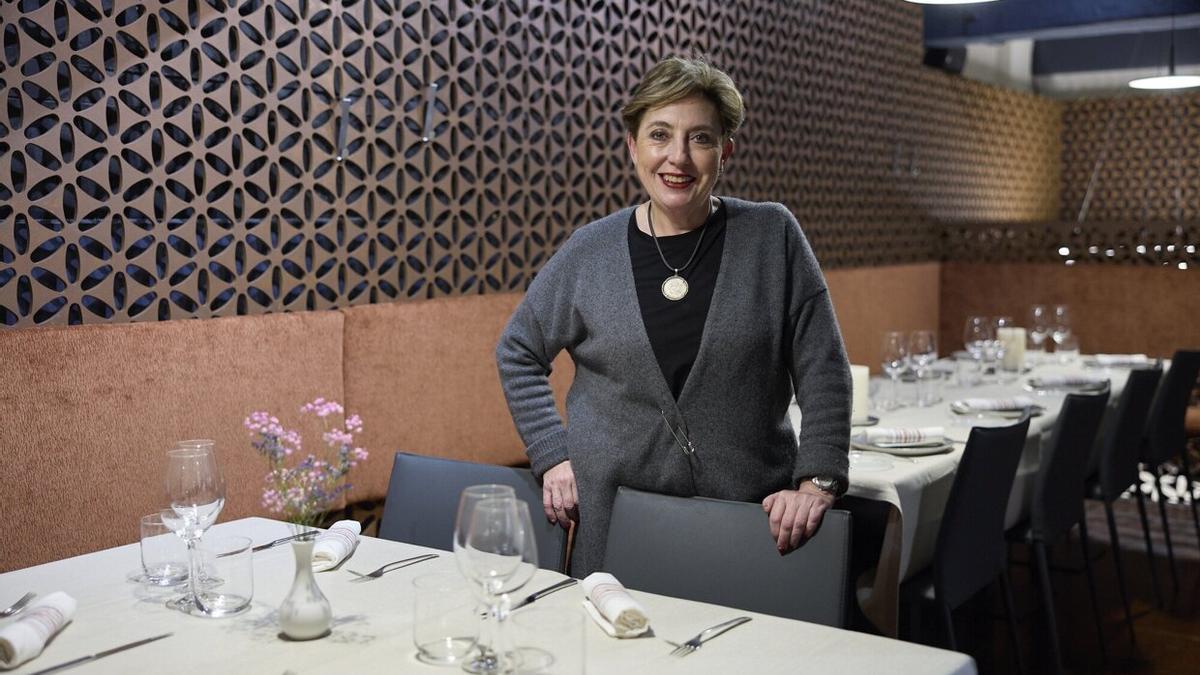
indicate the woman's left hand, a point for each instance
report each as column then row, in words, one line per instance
column 795, row 515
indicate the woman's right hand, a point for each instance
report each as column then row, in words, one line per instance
column 559, row 496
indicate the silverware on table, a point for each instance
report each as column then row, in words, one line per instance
column 18, row 605
column 536, row 595
column 705, row 635
column 375, row 574
column 99, row 655
column 273, row 544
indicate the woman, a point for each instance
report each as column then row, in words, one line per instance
column 691, row 320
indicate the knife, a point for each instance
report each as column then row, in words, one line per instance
column 99, row 655
column 544, row 592
column 273, row 544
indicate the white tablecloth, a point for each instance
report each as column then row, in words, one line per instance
column 918, row 487
column 373, row 629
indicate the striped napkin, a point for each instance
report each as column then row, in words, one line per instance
column 901, row 435
column 612, row 607
column 25, row 638
column 335, row 545
column 1014, row 403
column 1052, row 381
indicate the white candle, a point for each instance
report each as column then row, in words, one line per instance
column 1013, row 340
column 860, row 377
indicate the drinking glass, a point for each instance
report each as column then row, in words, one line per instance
column 997, row 347
column 229, row 562
column 495, row 550
column 196, row 491
column 1060, row 329
column 922, row 349
column 554, row 639
column 895, row 361
column 164, row 557
column 1039, row 330
column 445, row 621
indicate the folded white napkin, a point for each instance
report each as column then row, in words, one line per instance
column 612, row 607
column 27, row 636
column 875, row 435
column 1121, row 359
column 335, row 545
column 1067, row 381
column 1013, row 403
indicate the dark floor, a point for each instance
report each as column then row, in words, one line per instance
column 1168, row 639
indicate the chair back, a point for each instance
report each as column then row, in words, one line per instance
column 422, row 503
column 1165, row 434
column 722, row 552
column 970, row 550
column 1059, row 490
column 1118, row 446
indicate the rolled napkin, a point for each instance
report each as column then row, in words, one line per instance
column 612, row 607
column 901, row 435
column 25, row 638
column 1121, row 359
column 1014, row 403
column 335, row 545
column 1051, row 381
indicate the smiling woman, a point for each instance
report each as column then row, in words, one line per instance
column 692, row 320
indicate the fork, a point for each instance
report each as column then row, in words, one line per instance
column 18, row 605
column 705, row 635
column 375, row 574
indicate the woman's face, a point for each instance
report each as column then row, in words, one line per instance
column 678, row 152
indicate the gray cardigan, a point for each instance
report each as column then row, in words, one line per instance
column 770, row 331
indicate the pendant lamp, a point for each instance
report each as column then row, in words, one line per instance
column 1170, row 80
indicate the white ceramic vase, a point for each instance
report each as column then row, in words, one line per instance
column 305, row 613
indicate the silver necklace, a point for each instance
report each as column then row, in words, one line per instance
column 674, row 287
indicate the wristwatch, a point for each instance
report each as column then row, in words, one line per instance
column 826, row 484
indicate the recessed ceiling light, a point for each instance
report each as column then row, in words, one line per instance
column 1166, row 82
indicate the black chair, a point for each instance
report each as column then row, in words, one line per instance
column 1166, row 438
column 970, row 552
column 422, row 503
column 1058, row 505
column 722, row 552
column 1116, row 468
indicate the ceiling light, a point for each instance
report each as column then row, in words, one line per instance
column 1170, row 80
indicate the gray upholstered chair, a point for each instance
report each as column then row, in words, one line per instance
column 422, row 503
column 721, row 552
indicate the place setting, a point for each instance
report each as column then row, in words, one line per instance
column 1067, row 383
column 900, row 441
column 1004, row 408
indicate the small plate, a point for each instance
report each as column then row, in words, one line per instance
column 870, row 422
column 869, row 461
column 1033, row 384
column 934, row 448
column 1034, row 411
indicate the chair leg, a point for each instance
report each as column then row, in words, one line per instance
column 948, row 614
column 1162, row 512
column 1187, row 483
column 1011, row 611
column 1087, row 565
column 1043, row 565
column 1116, row 553
column 1141, row 504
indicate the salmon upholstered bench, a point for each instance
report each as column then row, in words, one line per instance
column 88, row 411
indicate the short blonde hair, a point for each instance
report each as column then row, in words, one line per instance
column 676, row 78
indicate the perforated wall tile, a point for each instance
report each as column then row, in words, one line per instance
column 192, row 158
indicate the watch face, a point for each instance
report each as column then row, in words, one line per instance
column 824, row 483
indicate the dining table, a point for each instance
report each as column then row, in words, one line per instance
column 373, row 623
column 915, row 488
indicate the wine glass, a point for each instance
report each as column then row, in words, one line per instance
column 196, row 491
column 1061, row 326
column 998, row 347
column 922, row 349
column 895, row 361
column 495, row 550
column 1039, row 328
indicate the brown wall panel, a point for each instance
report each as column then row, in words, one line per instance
column 1117, row 309
column 174, row 159
column 870, row 301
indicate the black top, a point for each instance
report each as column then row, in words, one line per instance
column 676, row 326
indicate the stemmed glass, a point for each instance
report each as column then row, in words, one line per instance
column 1061, row 328
column 922, row 349
column 977, row 337
column 196, row 491
column 895, row 360
column 1039, row 328
column 495, row 550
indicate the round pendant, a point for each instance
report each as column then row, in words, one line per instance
column 674, row 287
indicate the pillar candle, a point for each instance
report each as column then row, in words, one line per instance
column 860, row 377
column 1014, row 347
